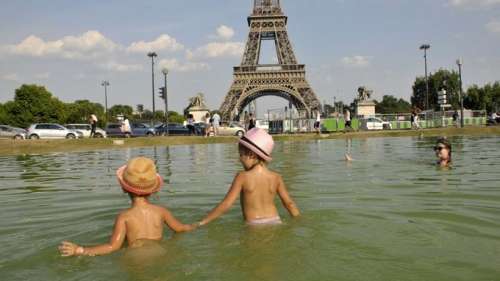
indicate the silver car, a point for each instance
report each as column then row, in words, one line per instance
column 12, row 132
column 51, row 131
column 85, row 129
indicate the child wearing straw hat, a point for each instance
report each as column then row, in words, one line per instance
column 143, row 221
column 257, row 185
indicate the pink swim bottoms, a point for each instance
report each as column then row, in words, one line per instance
column 265, row 221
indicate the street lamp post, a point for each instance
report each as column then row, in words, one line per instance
column 461, row 95
column 105, row 84
column 165, row 73
column 425, row 47
column 153, row 55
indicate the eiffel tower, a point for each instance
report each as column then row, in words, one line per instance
column 286, row 79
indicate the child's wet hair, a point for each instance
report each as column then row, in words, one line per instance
column 446, row 143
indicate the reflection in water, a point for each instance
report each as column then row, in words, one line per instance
column 385, row 217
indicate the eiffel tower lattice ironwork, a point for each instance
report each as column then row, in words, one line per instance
column 286, row 79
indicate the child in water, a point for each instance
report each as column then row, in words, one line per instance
column 257, row 185
column 143, row 221
column 443, row 152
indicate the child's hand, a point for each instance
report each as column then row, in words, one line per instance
column 68, row 249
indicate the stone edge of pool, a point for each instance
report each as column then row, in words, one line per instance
column 21, row 147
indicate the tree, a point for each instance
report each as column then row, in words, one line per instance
column 80, row 110
column 483, row 98
column 34, row 104
column 443, row 78
column 391, row 104
column 119, row 109
column 174, row 117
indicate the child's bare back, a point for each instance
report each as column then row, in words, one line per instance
column 259, row 189
column 257, row 185
column 143, row 221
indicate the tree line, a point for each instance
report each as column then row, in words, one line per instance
column 485, row 98
column 35, row 104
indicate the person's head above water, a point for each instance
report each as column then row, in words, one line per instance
column 139, row 177
column 258, row 143
column 443, row 150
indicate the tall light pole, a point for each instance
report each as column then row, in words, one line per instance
column 165, row 73
column 425, row 47
column 153, row 55
column 461, row 95
column 105, row 84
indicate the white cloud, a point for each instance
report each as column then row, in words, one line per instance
column 356, row 61
column 217, row 50
column 10, row 77
column 225, row 32
column 472, row 3
column 175, row 65
column 493, row 26
column 88, row 45
column 163, row 42
column 114, row 66
column 44, row 75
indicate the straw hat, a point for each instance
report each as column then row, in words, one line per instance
column 259, row 142
column 139, row 177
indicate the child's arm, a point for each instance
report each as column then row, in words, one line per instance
column 228, row 201
column 286, row 199
column 68, row 249
column 175, row 224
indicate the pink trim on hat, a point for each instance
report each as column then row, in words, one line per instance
column 129, row 188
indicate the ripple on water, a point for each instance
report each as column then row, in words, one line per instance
column 388, row 215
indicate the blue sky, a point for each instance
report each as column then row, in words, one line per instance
column 71, row 46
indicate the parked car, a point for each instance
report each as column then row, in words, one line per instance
column 174, row 129
column 85, row 129
column 12, row 132
column 233, row 129
column 373, row 123
column 51, row 131
column 138, row 130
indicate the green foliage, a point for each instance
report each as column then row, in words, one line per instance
column 118, row 109
column 3, row 114
column 391, row 104
column 34, row 104
column 483, row 98
column 80, row 111
column 443, row 78
column 174, row 117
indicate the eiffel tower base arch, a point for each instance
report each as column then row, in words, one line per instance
column 286, row 78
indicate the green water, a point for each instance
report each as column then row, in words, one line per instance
column 390, row 215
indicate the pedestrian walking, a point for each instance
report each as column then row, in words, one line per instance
column 125, row 128
column 208, row 124
column 347, row 117
column 246, row 120
column 216, row 123
column 318, row 122
column 93, row 125
column 251, row 122
column 190, row 125
column 414, row 120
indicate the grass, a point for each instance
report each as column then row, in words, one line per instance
column 12, row 147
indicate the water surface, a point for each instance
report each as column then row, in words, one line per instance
column 388, row 215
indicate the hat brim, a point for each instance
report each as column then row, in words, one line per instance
column 255, row 150
column 134, row 190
